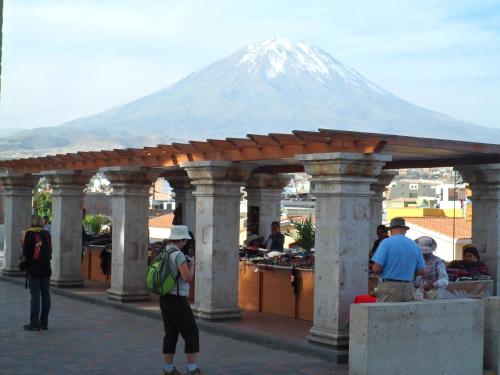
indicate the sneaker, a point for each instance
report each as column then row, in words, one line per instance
column 173, row 372
column 30, row 327
column 196, row 371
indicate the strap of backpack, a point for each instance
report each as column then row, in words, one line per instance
column 174, row 249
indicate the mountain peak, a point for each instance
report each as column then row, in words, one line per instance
column 278, row 56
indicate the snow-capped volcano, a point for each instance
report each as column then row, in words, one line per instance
column 273, row 86
column 280, row 56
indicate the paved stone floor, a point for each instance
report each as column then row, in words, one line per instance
column 88, row 339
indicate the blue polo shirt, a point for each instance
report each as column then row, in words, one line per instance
column 399, row 257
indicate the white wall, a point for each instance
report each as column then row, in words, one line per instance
column 445, row 247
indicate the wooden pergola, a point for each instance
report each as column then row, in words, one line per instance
column 273, row 152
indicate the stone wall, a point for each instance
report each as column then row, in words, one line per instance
column 492, row 333
column 414, row 338
column 97, row 203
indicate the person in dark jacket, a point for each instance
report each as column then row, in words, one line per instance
column 37, row 250
column 276, row 239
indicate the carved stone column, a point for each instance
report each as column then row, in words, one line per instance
column 217, row 230
column 264, row 193
column 130, row 205
column 341, row 184
column 377, row 199
column 484, row 181
column 66, row 233
column 18, row 197
column 184, row 196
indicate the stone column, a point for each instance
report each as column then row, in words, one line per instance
column 341, row 184
column 484, row 181
column 377, row 200
column 217, row 230
column 184, row 195
column 66, row 232
column 264, row 191
column 130, row 205
column 18, row 197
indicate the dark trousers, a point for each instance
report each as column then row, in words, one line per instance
column 178, row 318
column 39, row 288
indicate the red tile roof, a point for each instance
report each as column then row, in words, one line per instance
column 162, row 221
column 443, row 225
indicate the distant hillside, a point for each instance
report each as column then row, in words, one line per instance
column 274, row 86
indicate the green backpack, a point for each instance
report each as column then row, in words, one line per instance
column 159, row 277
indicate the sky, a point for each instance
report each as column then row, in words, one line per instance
column 65, row 59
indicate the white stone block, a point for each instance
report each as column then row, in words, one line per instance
column 492, row 333
column 414, row 338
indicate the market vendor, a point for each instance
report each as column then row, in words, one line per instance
column 471, row 264
column 435, row 276
column 252, row 245
column 276, row 239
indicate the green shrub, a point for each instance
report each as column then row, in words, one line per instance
column 305, row 233
column 93, row 223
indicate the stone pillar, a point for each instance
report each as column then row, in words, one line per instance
column 217, row 232
column 184, row 195
column 341, row 184
column 484, row 181
column 130, row 205
column 264, row 191
column 66, row 232
column 18, row 197
column 376, row 201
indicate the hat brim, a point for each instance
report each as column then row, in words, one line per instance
column 427, row 250
column 176, row 238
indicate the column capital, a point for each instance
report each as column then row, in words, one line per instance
column 343, row 164
column 13, row 181
column 383, row 181
column 342, row 173
column 217, row 172
column 131, row 180
column 179, row 182
column 484, row 179
column 271, row 181
column 66, row 179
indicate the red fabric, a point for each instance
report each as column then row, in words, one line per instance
column 364, row 298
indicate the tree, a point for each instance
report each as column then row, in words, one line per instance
column 42, row 202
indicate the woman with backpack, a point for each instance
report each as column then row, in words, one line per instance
column 37, row 251
column 175, row 309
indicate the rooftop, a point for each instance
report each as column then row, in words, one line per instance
column 462, row 229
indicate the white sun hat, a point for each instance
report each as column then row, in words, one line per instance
column 179, row 232
column 427, row 244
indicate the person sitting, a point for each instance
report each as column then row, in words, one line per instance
column 276, row 239
column 252, row 245
column 435, row 276
column 471, row 263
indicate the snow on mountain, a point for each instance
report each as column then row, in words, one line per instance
column 274, row 86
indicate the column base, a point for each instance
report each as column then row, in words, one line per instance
column 124, row 296
column 13, row 273
column 216, row 314
column 66, row 283
column 337, row 340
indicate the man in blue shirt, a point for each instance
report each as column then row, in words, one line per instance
column 398, row 259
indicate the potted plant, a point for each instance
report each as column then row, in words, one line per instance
column 304, row 233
